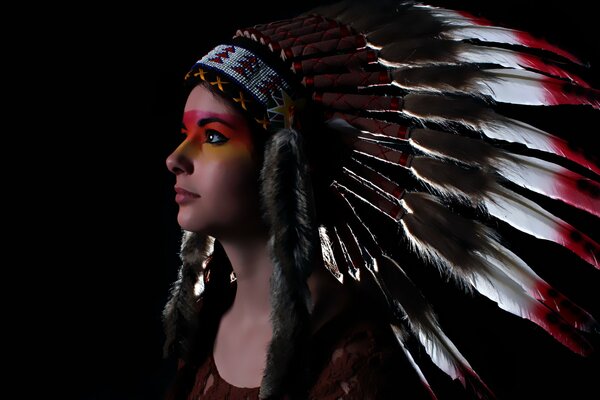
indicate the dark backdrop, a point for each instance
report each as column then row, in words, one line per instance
column 103, row 102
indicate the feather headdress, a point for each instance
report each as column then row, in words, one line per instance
column 418, row 153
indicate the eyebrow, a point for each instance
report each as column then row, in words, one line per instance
column 205, row 121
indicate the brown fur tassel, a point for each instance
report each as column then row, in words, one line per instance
column 287, row 198
column 179, row 315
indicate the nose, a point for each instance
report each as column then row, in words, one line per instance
column 178, row 162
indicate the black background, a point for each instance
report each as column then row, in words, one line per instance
column 100, row 88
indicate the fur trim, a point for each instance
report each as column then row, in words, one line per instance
column 179, row 315
column 287, row 198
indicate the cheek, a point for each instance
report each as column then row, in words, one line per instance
column 229, row 179
column 236, row 151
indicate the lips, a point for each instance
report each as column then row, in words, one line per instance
column 184, row 196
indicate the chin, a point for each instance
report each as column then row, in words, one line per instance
column 191, row 223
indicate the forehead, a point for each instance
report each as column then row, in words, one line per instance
column 201, row 98
column 202, row 105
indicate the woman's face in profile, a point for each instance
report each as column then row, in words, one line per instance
column 215, row 168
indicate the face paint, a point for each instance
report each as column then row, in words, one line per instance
column 216, row 161
column 217, row 135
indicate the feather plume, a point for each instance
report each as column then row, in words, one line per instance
column 537, row 175
column 495, row 126
column 550, row 180
column 529, row 217
column 410, row 23
column 438, row 52
column 409, row 301
column 399, row 335
column 412, row 310
column 487, row 31
column 461, row 248
column 453, row 147
column 472, row 186
column 509, row 263
column 502, row 85
column 470, row 253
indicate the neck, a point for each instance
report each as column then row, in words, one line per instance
column 252, row 265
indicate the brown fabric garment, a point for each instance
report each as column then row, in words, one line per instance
column 353, row 358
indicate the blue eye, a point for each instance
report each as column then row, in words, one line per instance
column 215, row 137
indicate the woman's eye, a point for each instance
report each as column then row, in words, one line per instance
column 215, row 137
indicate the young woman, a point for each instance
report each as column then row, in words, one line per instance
column 329, row 159
column 217, row 169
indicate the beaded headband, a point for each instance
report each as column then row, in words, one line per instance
column 250, row 82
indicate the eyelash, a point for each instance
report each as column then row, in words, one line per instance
column 212, row 131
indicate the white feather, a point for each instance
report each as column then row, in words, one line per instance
column 488, row 55
column 503, row 85
column 411, row 360
column 468, row 54
column 497, row 126
column 449, row 17
column 500, row 288
column 525, row 215
column 486, row 32
column 443, row 353
column 515, row 86
column 437, row 345
column 531, row 88
column 496, row 285
column 495, row 34
column 545, row 178
column 513, row 266
column 512, row 130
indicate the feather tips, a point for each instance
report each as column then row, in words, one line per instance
column 462, row 249
column 422, row 321
column 550, row 180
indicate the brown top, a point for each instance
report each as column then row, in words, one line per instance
column 362, row 361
